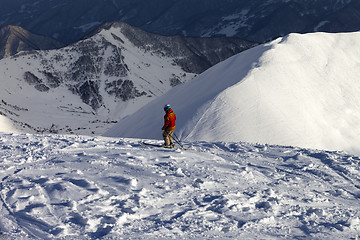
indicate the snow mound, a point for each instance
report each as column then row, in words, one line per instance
column 78, row 187
column 300, row 90
column 6, row 125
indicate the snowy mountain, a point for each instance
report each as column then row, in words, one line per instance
column 254, row 20
column 300, row 90
column 14, row 39
column 87, row 86
column 77, row 187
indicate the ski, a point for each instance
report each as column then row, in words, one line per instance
column 154, row 145
column 162, row 146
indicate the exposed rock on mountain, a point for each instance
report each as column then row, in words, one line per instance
column 192, row 54
column 14, row 39
column 113, row 72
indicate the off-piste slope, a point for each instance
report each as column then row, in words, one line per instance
column 78, row 187
column 298, row 90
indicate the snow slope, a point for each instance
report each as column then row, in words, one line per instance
column 300, row 90
column 78, row 187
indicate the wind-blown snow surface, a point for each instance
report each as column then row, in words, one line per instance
column 300, row 90
column 71, row 187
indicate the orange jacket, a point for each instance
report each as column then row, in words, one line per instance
column 169, row 119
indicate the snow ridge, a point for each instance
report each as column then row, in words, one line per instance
column 300, row 90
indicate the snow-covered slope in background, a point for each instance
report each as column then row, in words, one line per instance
column 87, row 86
column 78, row 187
column 300, row 90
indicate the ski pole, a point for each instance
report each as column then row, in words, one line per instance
column 178, row 141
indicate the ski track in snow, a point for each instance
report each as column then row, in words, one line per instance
column 78, row 187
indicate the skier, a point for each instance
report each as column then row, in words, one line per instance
column 169, row 126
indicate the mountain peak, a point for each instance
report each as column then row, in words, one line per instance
column 108, row 26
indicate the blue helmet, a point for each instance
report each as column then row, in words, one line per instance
column 167, row 107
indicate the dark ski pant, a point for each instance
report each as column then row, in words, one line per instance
column 167, row 134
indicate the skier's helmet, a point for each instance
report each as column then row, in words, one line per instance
column 167, row 107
